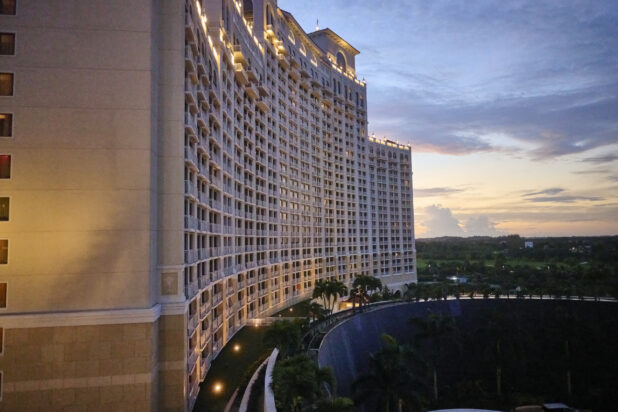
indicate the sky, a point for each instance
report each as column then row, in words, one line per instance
column 511, row 107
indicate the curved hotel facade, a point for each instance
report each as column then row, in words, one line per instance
column 170, row 171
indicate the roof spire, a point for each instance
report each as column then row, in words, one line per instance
column 317, row 24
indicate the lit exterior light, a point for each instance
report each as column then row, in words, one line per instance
column 217, row 388
column 236, row 348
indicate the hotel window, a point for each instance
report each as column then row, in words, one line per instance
column 1, row 341
column 4, row 209
column 6, row 84
column 7, row 44
column 4, row 252
column 5, row 166
column 6, row 125
column 7, row 6
column 3, row 295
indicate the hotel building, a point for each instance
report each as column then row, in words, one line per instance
column 171, row 170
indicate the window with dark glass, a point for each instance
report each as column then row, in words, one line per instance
column 5, row 166
column 2, row 295
column 7, row 43
column 6, row 84
column 4, row 209
column 4, row 252
column 6, row 125
column 7, row 6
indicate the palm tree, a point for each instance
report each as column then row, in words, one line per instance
column 365, row 285
column 285, row 336
column 437, row 329
column 316, row 311
column 319, row 291
column 500, row 331
column 298, row 383
column 338, row 404
column 394, row 377
column 411, row 291
column 334, row 290
column 329, row 291
column 565, row 328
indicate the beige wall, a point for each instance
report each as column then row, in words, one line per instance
column 172, row 377
column 100, row 367
column 79, row 230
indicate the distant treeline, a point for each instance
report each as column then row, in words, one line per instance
column 575, row 266
column 601, row 249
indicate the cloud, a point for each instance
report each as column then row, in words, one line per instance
column 481, row 226
column 606, row 173
column 550, row 191
column 439, row 221
column 548, row 195
column 543, row 75
column 542, row 127
column 602, row 171
column 563, row 199
column 435, row 191
column 608, row 158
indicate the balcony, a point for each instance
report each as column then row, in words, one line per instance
column 204, row 281
column 269, row 30
column 294, row 74
column 238, row 56
column 204, row 366
column 191, row 256
column 252, row 91
column 216, row 346
column 283, row 62
column 216, row 323
column 191, row 359
column 204, row 338
column 191, row 189
column 191, row 126
column 191, row 156
column 191, row 223
column 240, row 74
column 203, row 253
column 192, row 322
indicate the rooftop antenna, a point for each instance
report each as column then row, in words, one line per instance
column 317, row 24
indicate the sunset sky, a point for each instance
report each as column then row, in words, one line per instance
column 511, row 107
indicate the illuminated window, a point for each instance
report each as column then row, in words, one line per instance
column 7, row 6
column 6, row 84
column 7, row 43
column 4, row 209
column 5, row 166
column 6, row 125
column 4, row 255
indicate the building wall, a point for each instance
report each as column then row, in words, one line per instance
column 95, row 367
column 79, row 229
column 178, row 169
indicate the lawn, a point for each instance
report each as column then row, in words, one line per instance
column 299, row 310
column 229, row 369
